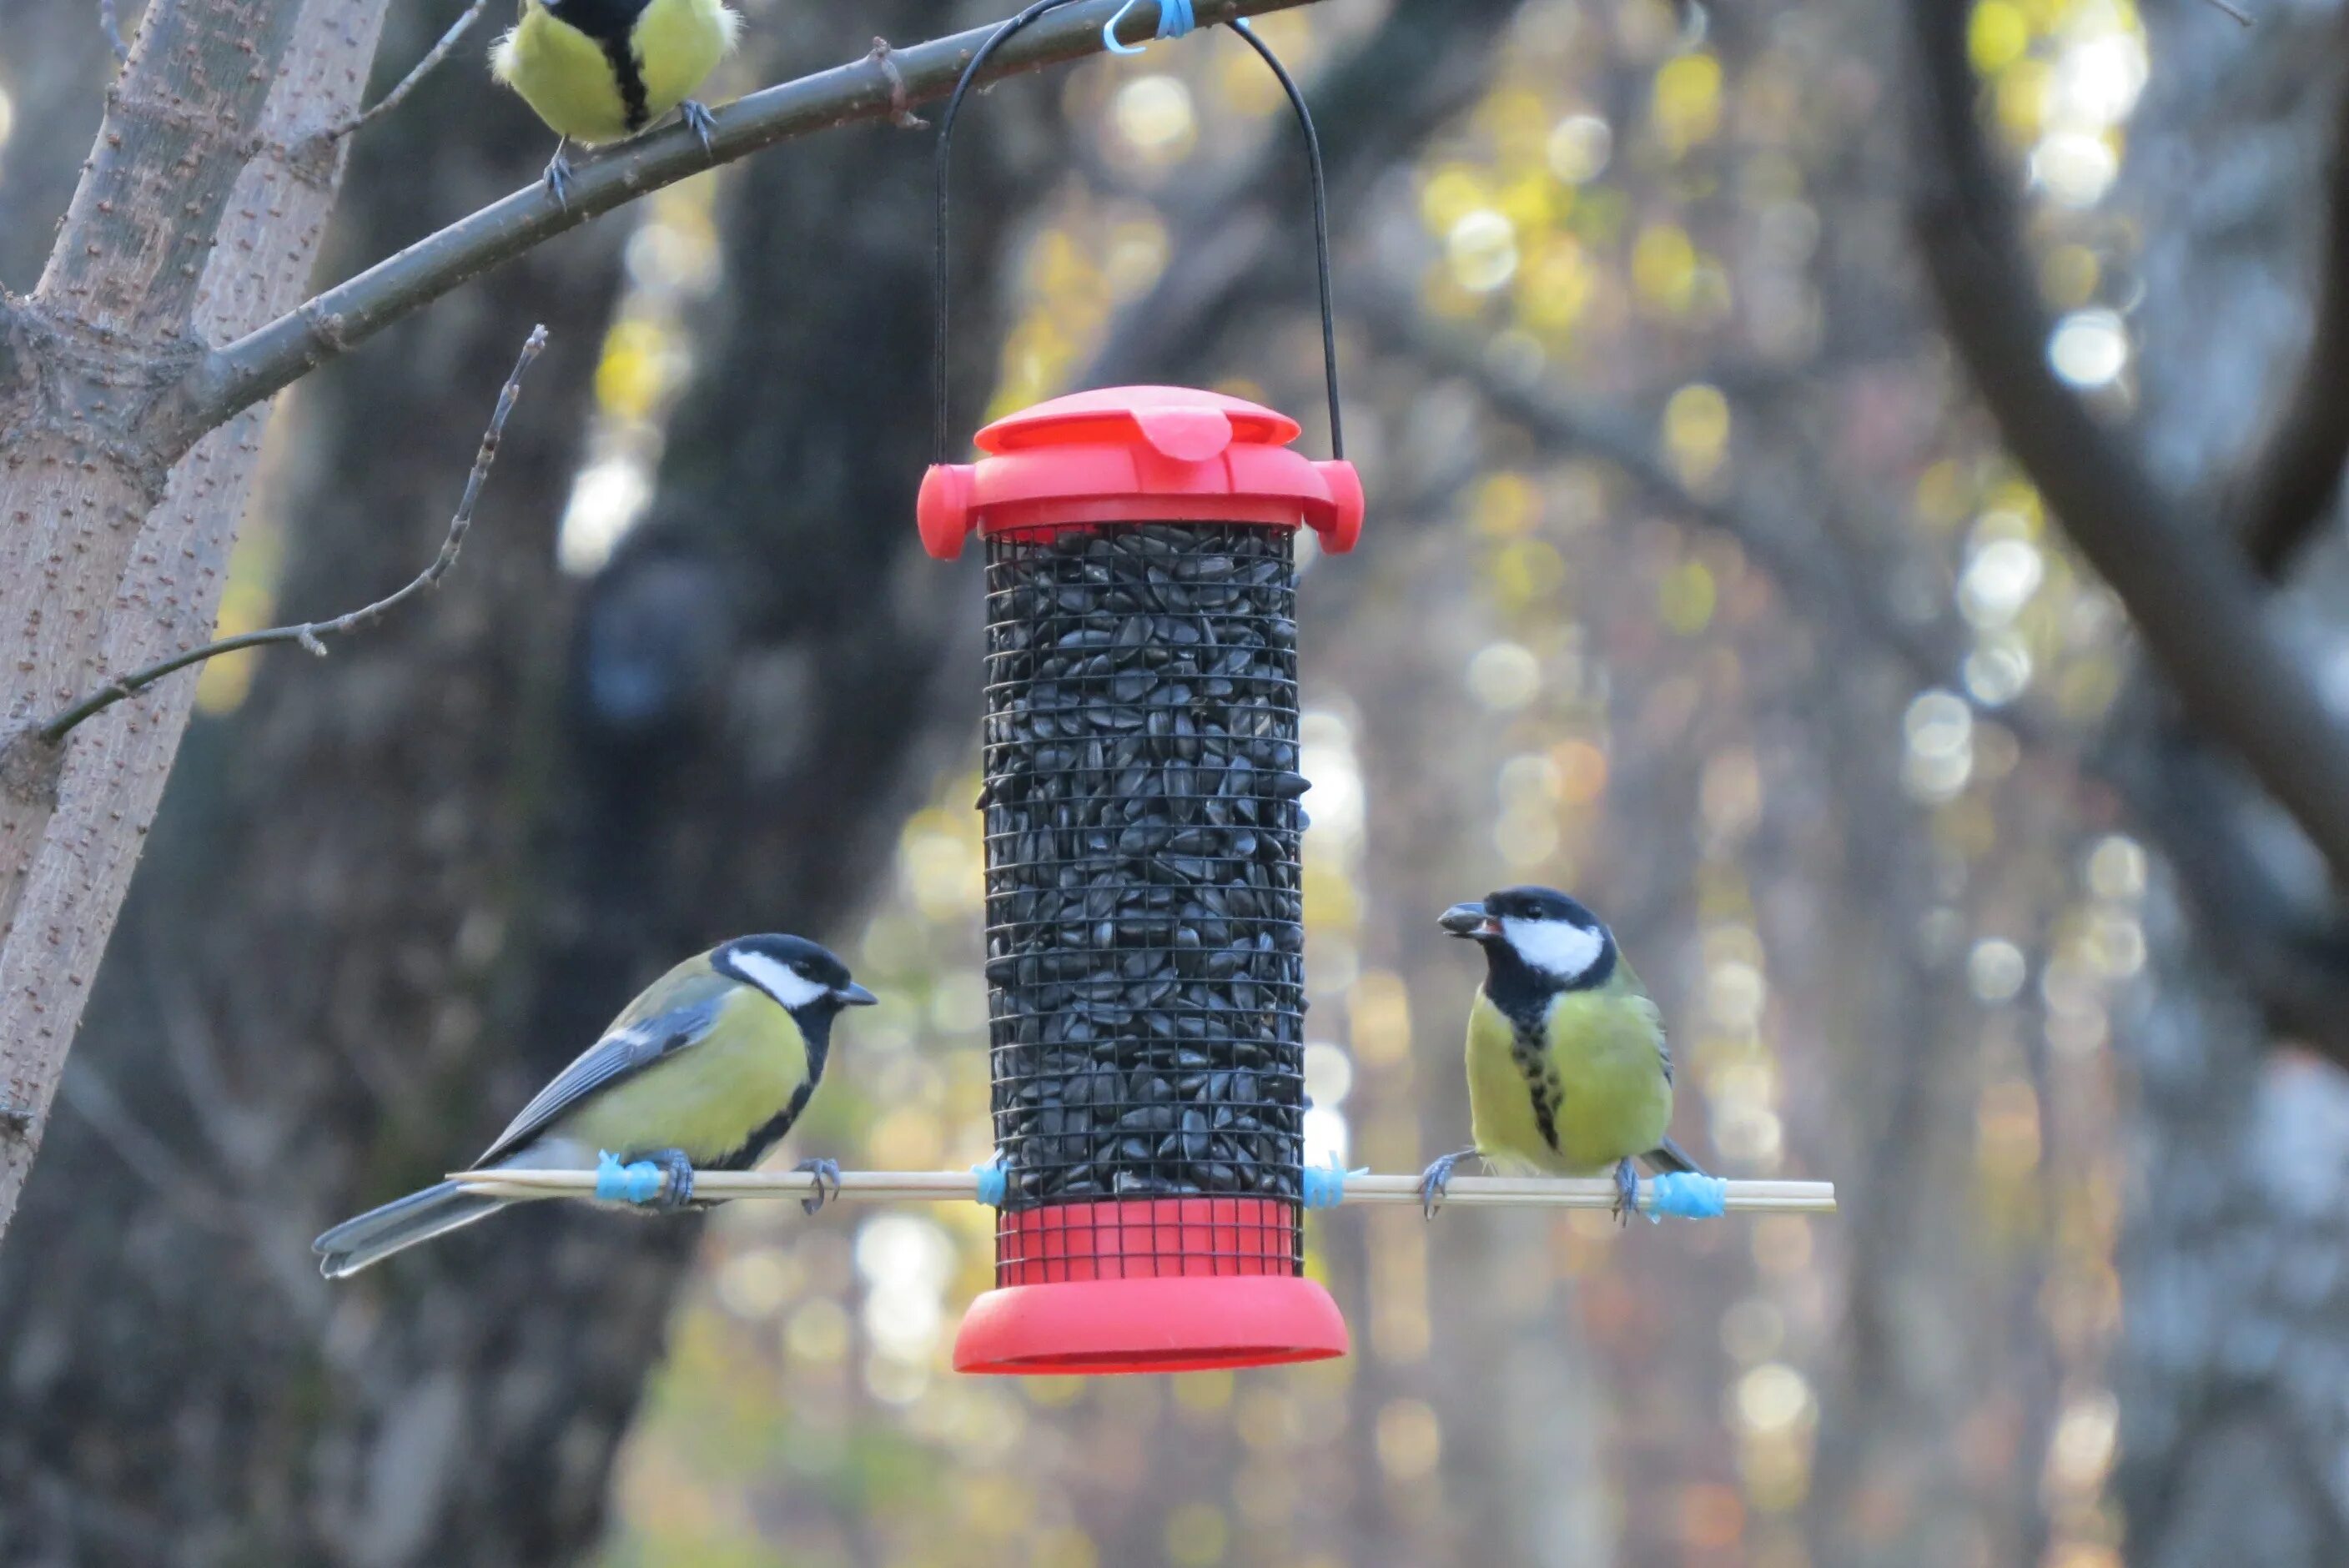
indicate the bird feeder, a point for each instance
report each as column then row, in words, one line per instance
column 1144, row 923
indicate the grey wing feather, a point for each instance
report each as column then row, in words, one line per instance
column 622, row 1053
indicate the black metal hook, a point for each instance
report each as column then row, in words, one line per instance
column 939, row 292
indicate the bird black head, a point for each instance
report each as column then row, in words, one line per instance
column 795, row 972
column 1539, row 931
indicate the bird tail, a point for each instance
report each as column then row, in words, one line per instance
column 398, row 1225
column 1670, row 1156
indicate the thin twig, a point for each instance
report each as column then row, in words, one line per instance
column 947, row 1186
column 308, row 633
column 2222, row 6
column 236, row 377
column 113, row 31
column 390, row 101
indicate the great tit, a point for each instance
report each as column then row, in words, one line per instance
column 1568, row 1073
column 708, row 1068
column 602, row 70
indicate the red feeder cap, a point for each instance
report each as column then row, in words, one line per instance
column 1139, row 454
column 1177, row 1323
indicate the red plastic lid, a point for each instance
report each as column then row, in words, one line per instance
column 1191, row 1324
column 1139, row 454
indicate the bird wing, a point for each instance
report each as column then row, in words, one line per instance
column 627, row 1048
column 1626, row 979
column 1663, row 1042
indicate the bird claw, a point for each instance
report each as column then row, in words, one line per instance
column 557, row 178
column 697, row 120
column 823, row 1171
column 1627, row 1192
column 1435, row 1179
column 677, row 1190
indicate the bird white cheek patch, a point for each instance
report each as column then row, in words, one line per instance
column 1555, row 946
column 780, row 981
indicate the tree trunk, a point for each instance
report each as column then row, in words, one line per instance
column 2234, row 1356
column 399, row 888
column 199, row 214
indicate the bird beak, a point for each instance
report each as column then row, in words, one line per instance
column 854, row 995
column 1469, row 919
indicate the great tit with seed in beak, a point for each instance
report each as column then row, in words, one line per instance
column 602, row 70
column 709, row 1068
column 1568, row 1073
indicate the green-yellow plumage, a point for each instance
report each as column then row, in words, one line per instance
column 601, row 70
column 1602, row 1072
column 709, row 1102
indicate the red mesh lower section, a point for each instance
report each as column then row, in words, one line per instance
column 1147, row 1238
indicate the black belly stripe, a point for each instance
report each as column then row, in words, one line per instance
column 769, row 1133
column 620, row 53
column 1531, row 1055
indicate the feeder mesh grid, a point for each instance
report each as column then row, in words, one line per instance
column 1146, row 934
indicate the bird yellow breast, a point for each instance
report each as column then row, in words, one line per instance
column 566, row 79
column 1614, row 1101
column 706, row 1098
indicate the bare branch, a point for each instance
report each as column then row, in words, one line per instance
column 308, row 633
column 243, row 372
column 2291, row 480
column 113, row 31
column 2227, row 7
column 424, row 67
column 1791, row 552
column 2194, row 601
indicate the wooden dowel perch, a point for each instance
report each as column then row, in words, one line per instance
column 947, row 1186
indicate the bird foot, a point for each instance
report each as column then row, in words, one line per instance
column 677, row 1190
column 697, row 120
column 823, row 1171
column 557, row 178
column 1435, row 1179
column 1627, row 1192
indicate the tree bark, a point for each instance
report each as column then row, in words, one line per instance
column 198, row 215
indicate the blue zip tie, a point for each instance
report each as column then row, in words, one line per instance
column 994, row 1182
column 1325, row 1185
column 1175, row 19
column 1690, row 1194
column 618, row 1183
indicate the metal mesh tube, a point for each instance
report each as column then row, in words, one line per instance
column 1146, row 938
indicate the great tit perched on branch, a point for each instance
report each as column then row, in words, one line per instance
column 709, row 1068
column 602, row 70
column 1568, row 1073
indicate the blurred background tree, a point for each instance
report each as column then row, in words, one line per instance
column 1698, row 580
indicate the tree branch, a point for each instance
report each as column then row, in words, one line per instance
column 1804, row 566
column 308, row 633
column 2290, row 483
column 407, row 84
column 2195, row 603
column 113, row 31
column 262, row 362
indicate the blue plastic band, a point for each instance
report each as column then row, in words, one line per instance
column 618, row 1183
column 1687, row 1195
column 1175, row 19
column 993, row 1185
column 1325, row 1185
